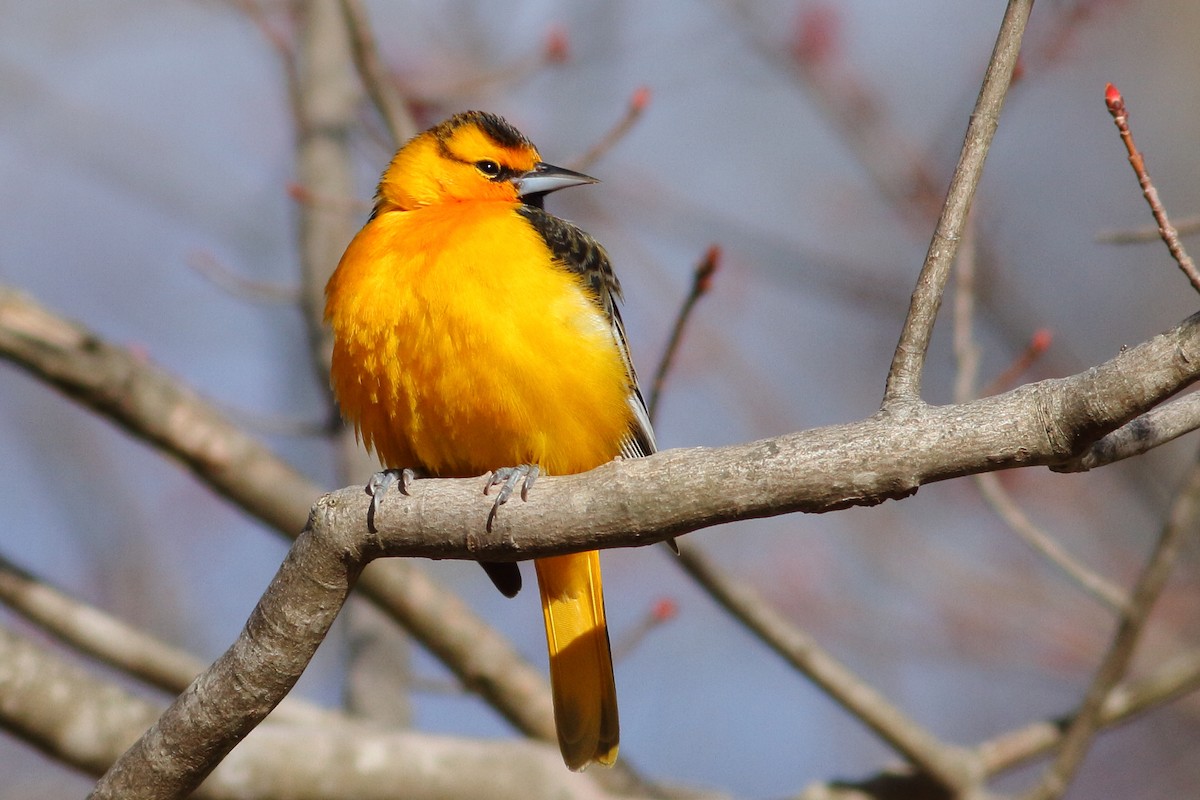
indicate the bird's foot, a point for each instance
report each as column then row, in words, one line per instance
column 508, row 478
column 380, row 483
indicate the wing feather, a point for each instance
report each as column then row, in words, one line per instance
column 583, row 255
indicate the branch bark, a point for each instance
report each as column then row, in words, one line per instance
column 904, row 376
column 886, row 456
column 86, row 721
column 625, row 504
column 1141, row 434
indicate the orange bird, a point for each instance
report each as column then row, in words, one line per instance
column 475, row 332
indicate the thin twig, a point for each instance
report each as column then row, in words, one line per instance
column 1150, row 233
column 856, row 109
column 382, row 89
column 1038, row 344
column 1181, row 522
column 1046, row 546
column 663, row 611
column 1120, row 115
column 102, row 636
column 633, row 112
column 949, row 766
column 1169, row 681
column 702, row 277
column 966, row 353
column 966, row 350
column 904, row 376
column 237, row 285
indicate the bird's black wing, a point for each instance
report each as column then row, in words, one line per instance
column 584, row 256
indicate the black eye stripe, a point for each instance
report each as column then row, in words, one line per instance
column 503, row 173
column 494, row 170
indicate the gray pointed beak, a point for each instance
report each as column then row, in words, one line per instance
column 545, row 178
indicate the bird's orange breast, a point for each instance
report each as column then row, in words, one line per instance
column 461, row 347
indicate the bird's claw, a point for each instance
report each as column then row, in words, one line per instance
column 380, row 483
column 508, row 478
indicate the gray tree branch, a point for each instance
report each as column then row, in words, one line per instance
column 95, row 633
column 949, row 767
column 625, row 504
column 85, row 721
column 1144, row 433
column 904, row 376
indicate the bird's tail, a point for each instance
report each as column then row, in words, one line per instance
column 581, row 673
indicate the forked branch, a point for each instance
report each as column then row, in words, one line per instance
column 630, row 503
column 904, row 376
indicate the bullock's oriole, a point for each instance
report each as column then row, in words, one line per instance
column 473, row 331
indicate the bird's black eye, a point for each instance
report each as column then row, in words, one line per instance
column 489, row 168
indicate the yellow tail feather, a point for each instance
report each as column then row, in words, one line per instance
column 581, row 675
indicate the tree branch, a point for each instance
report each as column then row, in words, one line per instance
column 48, row 701
column 702, row 278
column 95, row 633
column 382, row 89
column 633, row 112
column 951, row 768
column 1185, row 512
column 1170, row 236
column 1170, row 681
column 357, row 762
column 887, row 456
column 1144, row 433
column 904, row 376
column 60, row 709
column 630, row 503
column 1175, row 678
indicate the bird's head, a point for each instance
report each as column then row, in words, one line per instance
column 471, row 156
